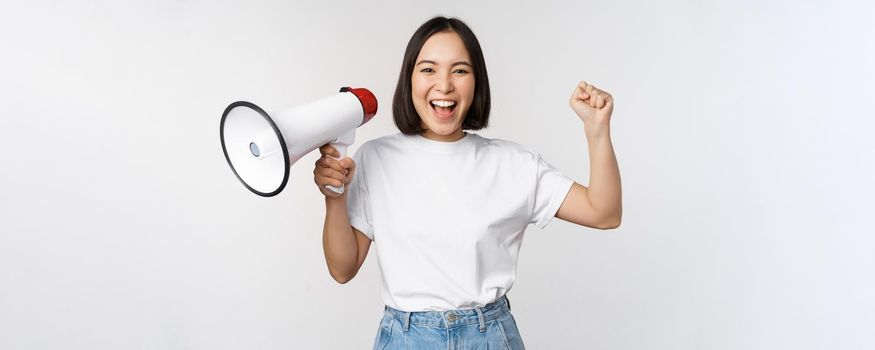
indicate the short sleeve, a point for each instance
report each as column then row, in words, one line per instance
column 551, row 188
column 358, row 197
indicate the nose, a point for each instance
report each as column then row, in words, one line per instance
column 444, row 84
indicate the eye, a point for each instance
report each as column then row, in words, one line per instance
column 460, row 71
column 427, row 70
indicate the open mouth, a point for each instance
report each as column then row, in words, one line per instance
column 443, row 108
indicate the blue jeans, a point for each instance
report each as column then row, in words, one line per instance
column 488, row 327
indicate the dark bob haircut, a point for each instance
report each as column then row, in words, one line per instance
column 404, row 113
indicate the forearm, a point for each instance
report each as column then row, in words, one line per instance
column 604, row 190
column 338, row 240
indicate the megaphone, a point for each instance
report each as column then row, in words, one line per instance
column 260, row 147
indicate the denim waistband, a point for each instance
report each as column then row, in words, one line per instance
column 452, row 318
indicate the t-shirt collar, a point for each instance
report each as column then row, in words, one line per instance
column 442, row 147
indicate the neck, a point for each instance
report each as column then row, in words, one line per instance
column 455, row 136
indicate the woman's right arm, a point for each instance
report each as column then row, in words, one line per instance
column 345, row 247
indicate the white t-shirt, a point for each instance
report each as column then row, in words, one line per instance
column 447, row 218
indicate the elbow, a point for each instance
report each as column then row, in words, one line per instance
column 610, row 223
column 341, row 278
column 610, row 226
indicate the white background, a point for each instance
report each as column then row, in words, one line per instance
column 743, row 131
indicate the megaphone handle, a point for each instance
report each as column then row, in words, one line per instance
column 341, row 144
column 341, row 148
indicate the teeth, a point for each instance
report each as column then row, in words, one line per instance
column 441, row 103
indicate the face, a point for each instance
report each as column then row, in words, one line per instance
column 443, row 86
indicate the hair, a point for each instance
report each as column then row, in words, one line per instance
column 404, row 113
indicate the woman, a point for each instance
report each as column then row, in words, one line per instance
column 447, row 209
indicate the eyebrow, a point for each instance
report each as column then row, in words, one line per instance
column 454, row 64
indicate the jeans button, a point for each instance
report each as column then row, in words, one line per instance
column 451, row 317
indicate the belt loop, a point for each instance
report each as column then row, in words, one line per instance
column 482, row 321
column 406, row 321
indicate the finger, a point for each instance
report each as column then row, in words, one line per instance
column 331, row 173
column 609, row 103
column 592, row 91
column 607, row 98
column 348, row 167
column 600, row 100
column 350, row 170
column 346, row 163
column 593, row 96
column 329, row 150
column 577, row 95
column 583, row 85
column 582, row 94
column 328, row 162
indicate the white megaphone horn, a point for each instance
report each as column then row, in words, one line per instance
column 260, row 147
